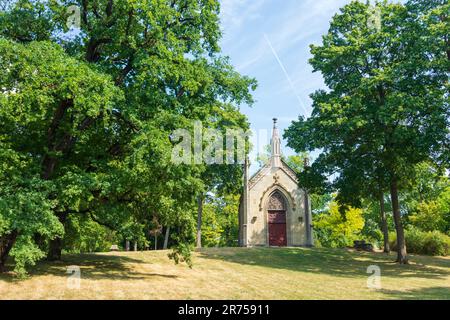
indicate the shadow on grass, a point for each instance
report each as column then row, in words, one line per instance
column 334, row 262
column 433, row 293
column 92, row 266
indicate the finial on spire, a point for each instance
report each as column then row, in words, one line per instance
column 275, row 122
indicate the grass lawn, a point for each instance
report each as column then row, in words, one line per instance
column 235, row 273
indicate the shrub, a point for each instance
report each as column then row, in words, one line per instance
column 436, row 243
column 415, row 239
column 430, row 216
column 317, row 243
column 393, row 240
column 335, row 230
column 419, row 242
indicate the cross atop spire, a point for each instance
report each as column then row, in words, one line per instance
column 275, row 144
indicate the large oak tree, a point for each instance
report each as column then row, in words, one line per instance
column 95, row 126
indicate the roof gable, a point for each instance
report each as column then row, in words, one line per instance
column 255, row 178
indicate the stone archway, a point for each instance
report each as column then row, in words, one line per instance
column 276, row 219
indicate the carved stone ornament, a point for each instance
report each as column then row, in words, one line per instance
column 276, row 202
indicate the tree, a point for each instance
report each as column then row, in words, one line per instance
column 221, row 180
column 430, row 26
column 334, row 230
column 426, row 201
column 364, row 179
column 221, row 221
column 383, row 103
column 431, row 17
column 43, row 85
column 82, row 234
column 97, row 121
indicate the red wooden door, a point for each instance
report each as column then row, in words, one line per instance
column 277, row 228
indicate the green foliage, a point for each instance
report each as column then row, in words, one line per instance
column 221, row 221
column 366, row 123
column 427, row 201
column 229, row 213
column 372, row 230
column 436, row 243
column 84, row 235
column 415, row 240
column 430, row 216
column 393, row 240
column 25, row 253
column 18, row 17
column 39, row 76
column 86, row 118
column 334, row 230
column 387, row 106
column 420, row 242
column 211, row 228
column 25, row 210
column 182, row 253
column 320, row 202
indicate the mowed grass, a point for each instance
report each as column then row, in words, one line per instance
column 234, row 273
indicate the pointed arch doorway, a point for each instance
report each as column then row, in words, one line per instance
column 276, row 214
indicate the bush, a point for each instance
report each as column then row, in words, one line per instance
column 436, row 243
column 415, row 239
column 419, row 242
column 393, row 240
column 335, row 230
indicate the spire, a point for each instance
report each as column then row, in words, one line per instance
column 275, row 144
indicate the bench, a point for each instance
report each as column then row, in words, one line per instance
column 362, row 245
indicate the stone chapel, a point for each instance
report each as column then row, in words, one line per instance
column 274, row 211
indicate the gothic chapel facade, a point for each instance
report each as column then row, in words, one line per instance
column 274, row 211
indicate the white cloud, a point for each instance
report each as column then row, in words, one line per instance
column 253, row 58
column 235, row 12
column 304, row 20
column 287, row 24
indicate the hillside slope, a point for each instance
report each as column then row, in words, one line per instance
column 234, row 273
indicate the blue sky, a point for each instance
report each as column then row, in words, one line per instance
column 261, row 36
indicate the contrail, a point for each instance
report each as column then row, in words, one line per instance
column 287, row 75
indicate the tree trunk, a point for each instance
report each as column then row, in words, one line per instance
column 402, row 257
column 199, row 221
column 166, row 238
column 55, row 245
column 135, row 247
column 127, row 245
column 6, row 244
column 55, row 249
column 384, row 225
